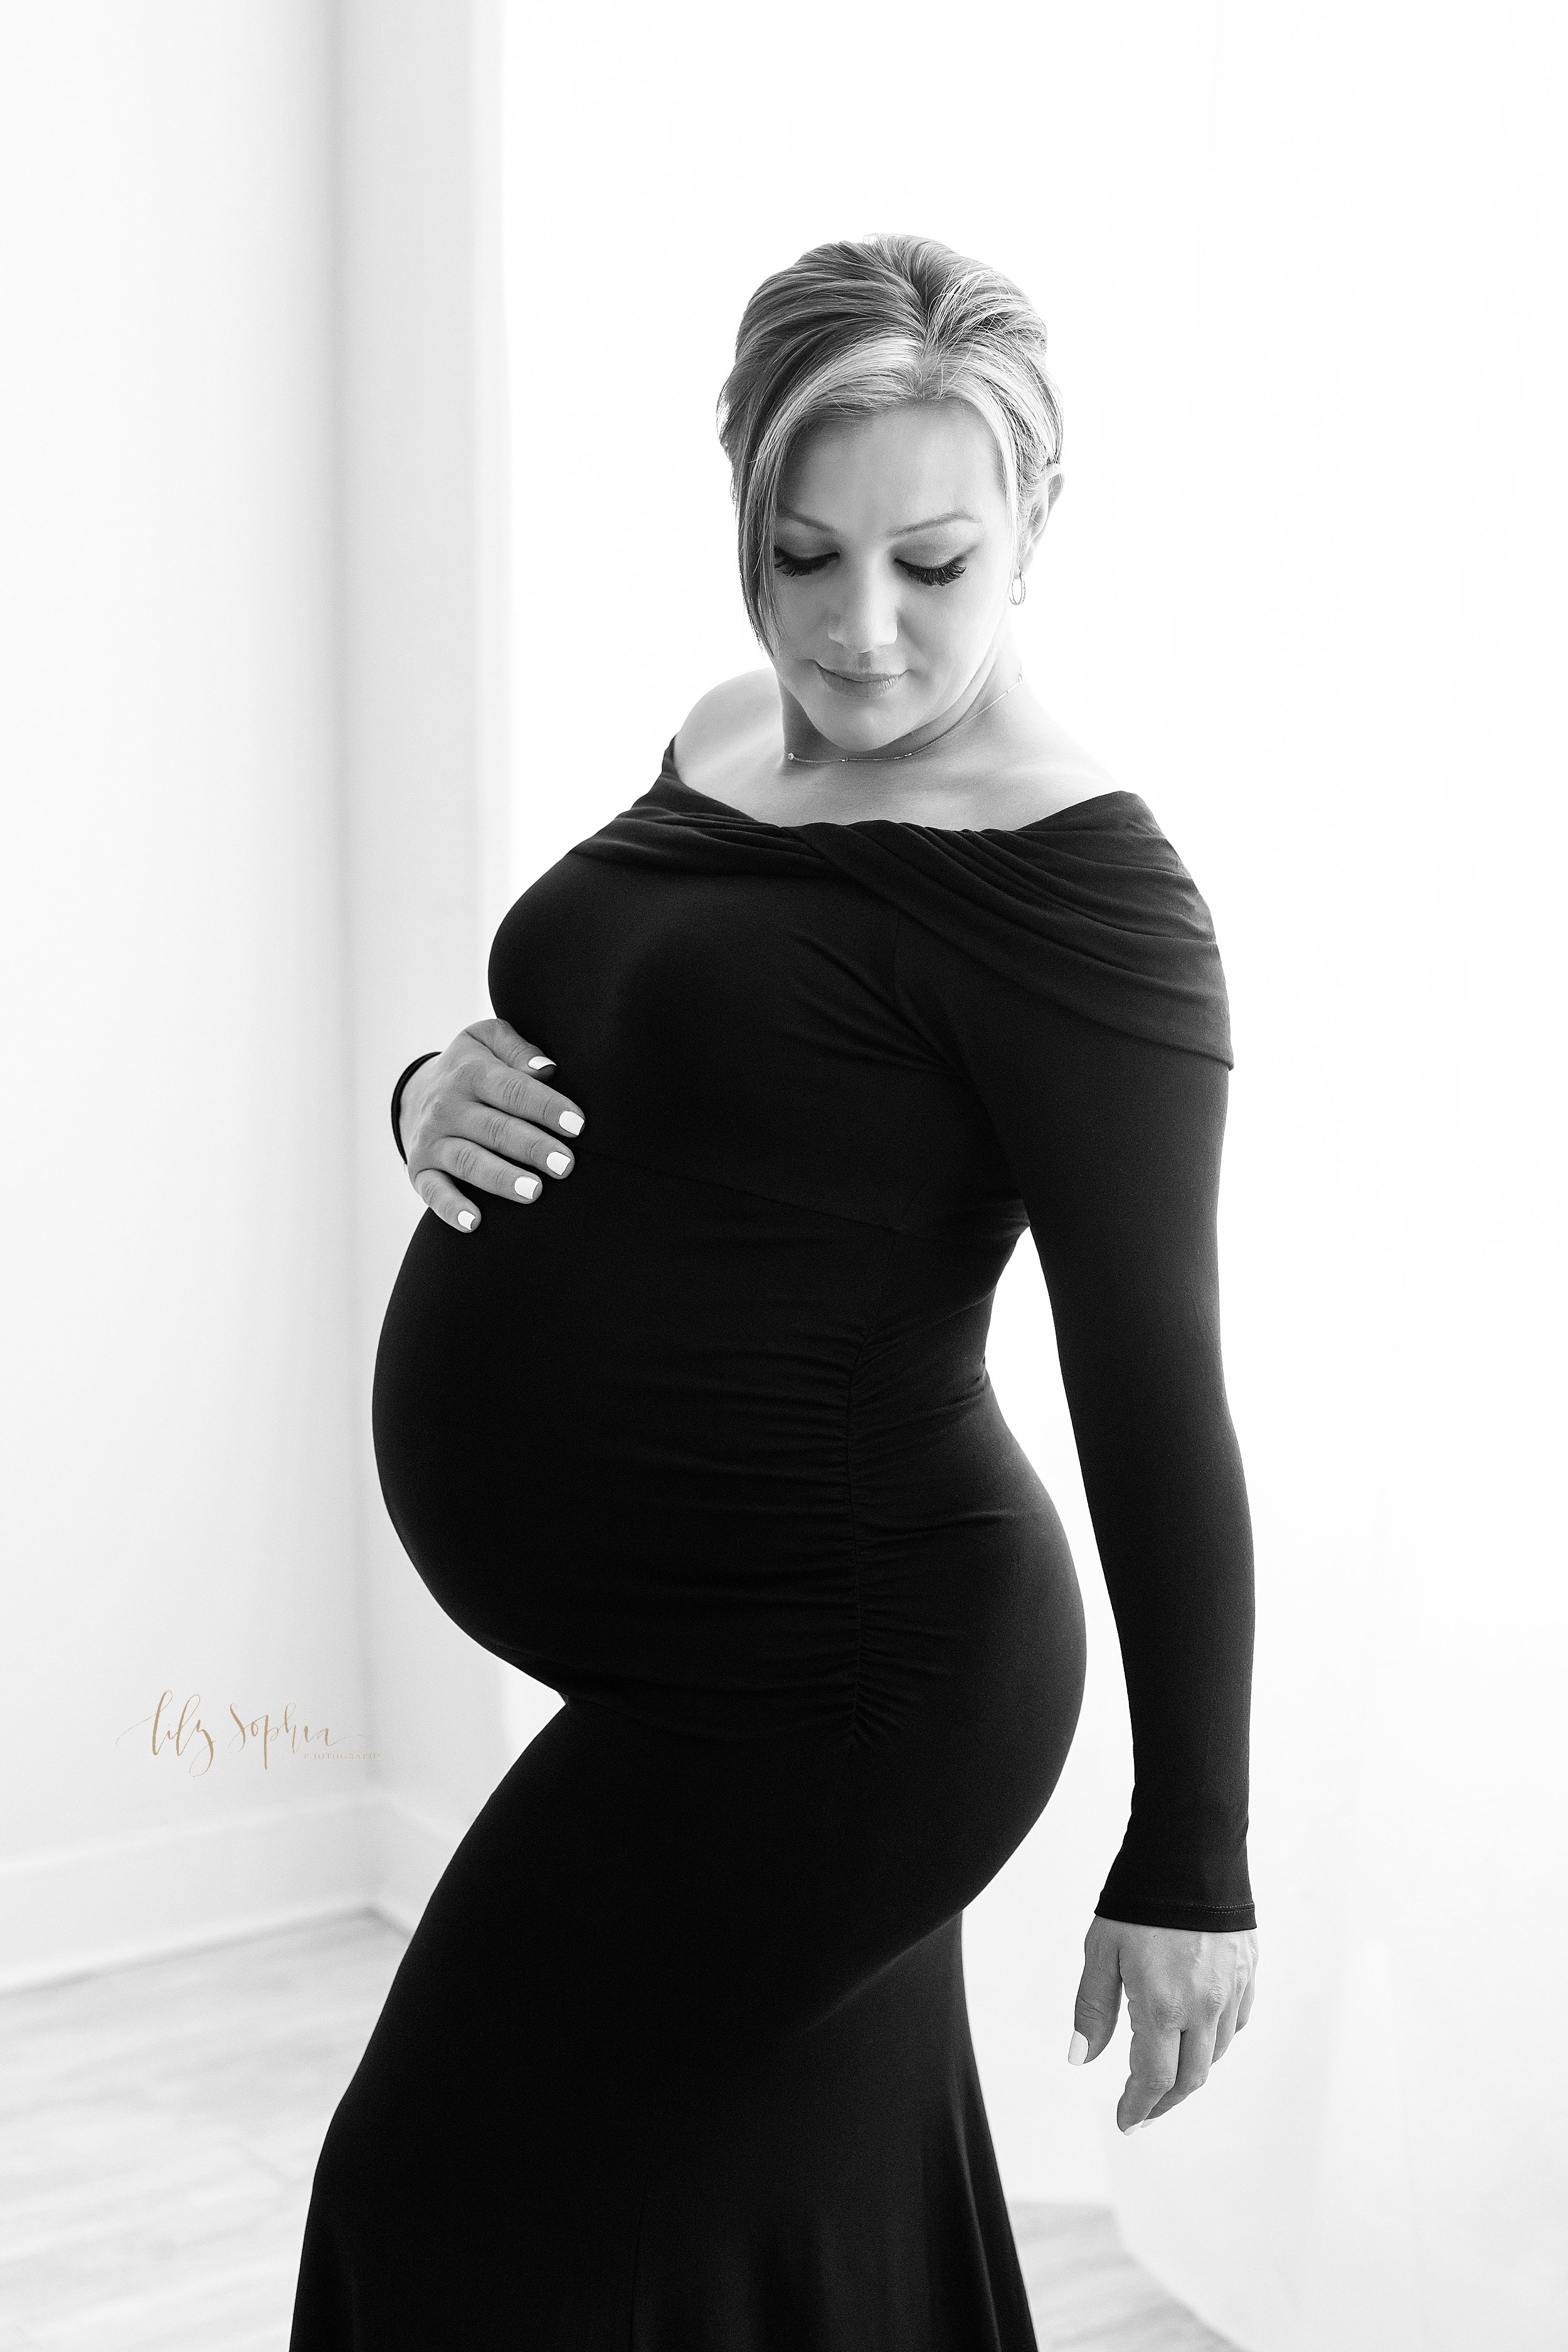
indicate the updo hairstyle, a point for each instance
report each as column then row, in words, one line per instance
column 865, row 324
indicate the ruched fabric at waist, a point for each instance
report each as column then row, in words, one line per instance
column 702, row 1456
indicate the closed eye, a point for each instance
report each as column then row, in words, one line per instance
column 930, row 575
column 936, row 575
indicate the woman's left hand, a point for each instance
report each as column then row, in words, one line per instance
column 1188, row 1993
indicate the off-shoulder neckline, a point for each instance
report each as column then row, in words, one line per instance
column 669, row 773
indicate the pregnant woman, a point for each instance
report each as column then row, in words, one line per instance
column 680, row 1406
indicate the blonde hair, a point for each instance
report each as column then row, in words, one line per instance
column 870, row 323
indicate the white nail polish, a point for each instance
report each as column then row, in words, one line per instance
column 1078, row 2049
column 528, row 1186
column 466, row 1219
column 572, row 1121
column 558, row 1162
column 541, row 1062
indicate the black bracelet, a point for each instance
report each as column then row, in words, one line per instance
column 417, row 1063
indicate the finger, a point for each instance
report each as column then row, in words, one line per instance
column 506, row 1043
column 448, row 1203
column 1099, row 2002
column 469, row 1073
column 1225, row 2031
column 1155, row 2055
column 470, row 1163
column 1194, row 2059
column 1244, row 2007
column 522, row 1096
column 502, row 1141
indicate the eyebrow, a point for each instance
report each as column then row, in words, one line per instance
column 958, row 514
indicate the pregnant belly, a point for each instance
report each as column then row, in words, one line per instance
column 618, row 1436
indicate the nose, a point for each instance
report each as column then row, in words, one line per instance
column 864, row 621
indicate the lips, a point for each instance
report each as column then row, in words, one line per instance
column 860, row 681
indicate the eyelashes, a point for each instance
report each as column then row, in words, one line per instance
column 930, row 575
column 937, row 575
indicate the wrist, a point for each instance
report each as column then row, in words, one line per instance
column 398, row 1096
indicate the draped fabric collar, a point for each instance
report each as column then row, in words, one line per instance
column 1090, row 909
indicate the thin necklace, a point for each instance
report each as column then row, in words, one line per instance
column 875, row 758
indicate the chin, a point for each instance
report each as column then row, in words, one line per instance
column 859, row 721
column 844, row 736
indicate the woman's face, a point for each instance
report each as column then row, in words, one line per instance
column 892, row 559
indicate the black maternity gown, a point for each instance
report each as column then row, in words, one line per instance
column 678, row 2059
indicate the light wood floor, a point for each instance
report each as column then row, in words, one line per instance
column 159, row 2128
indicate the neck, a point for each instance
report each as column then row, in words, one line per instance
column 999, row 671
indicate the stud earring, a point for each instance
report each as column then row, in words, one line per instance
column 1019, row 590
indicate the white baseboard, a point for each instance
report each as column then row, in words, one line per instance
column 109, row 1902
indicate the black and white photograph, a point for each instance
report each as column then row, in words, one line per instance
column 785, row 798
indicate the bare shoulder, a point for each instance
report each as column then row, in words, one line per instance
column 1046, row 770
column 727, row 723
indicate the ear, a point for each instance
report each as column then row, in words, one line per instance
column 1046, row 490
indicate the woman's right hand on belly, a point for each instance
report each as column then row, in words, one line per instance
column 483, row 1112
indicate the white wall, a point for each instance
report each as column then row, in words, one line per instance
column 253, row 731
column 425, row 602
column 176, row 1415
column 1303, row 590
